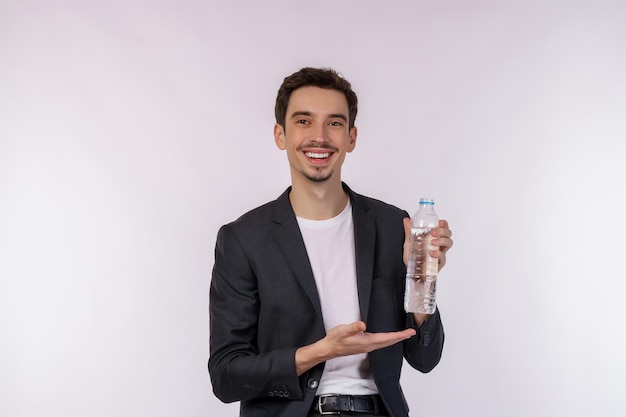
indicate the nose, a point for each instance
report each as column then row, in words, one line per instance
column 318, row 133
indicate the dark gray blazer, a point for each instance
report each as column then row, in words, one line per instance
column 264, row 305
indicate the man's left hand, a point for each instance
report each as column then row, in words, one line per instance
column 441, row 240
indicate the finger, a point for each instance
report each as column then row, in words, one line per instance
column 407, row 228
column 407, row 239
column 443, row 230
column 380, row 340
column 442, row 243
column 357, row 327
column 399, row 335
column 409, row 332
column 436, row 254
column 439, row 254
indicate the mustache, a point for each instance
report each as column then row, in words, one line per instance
column 318, row 146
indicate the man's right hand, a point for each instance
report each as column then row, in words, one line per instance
column 344, row 340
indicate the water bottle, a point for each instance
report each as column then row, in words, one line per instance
column 421, row 271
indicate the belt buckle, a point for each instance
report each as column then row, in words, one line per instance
column 319, row 405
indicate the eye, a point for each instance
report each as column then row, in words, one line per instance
column 336, row 123
column 302, row 122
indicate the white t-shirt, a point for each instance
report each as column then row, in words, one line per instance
column 330, row 246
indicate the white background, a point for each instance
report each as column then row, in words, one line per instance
column 131, row 130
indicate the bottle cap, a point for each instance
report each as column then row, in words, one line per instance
column 427, row 201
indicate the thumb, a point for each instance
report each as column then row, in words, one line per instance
column 357, row 327
column 407, row 227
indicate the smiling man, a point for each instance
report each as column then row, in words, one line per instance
column 306, row 311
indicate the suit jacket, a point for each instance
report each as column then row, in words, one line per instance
column 264, row 305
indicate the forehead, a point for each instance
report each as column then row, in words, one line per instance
column 317, row 100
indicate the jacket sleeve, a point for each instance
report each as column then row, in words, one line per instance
column 423, row 351
column 237, row 369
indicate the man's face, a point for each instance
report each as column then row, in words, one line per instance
column 316, row 135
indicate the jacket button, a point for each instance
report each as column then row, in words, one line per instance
column 286, row 394
column 312, row 383
column 271, row 393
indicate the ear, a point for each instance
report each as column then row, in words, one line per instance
column 279, row 136
column 352, row 139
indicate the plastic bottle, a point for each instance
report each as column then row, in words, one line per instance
column 421, row 272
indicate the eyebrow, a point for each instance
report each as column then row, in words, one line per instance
column 330, row 116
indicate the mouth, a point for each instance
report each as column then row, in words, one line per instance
column 318, row 157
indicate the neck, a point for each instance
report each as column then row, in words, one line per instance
column 318, row 201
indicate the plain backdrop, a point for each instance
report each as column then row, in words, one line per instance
column 131, row 130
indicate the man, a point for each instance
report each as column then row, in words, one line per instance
column 307, row 290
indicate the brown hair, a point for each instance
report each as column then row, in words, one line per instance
column 315, row 77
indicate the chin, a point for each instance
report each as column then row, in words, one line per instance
column 319, row 178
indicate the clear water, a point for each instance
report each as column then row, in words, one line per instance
column 421, row 274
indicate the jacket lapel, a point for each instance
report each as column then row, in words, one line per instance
column 364, row 242
column 290, row 240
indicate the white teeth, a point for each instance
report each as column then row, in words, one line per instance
column 317, row 155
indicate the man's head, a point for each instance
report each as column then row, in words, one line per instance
column 314, row 77
column 315, row 112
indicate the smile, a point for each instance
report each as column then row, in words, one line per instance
column 317, row 155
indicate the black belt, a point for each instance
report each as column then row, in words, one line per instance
column 336, row 404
